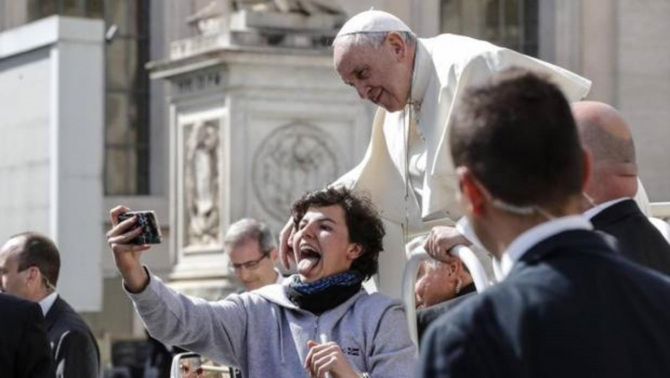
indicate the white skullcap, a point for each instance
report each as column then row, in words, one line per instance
column 372, row 21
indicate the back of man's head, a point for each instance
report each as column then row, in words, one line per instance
column 607, row 138
column 40, row 251
column 517, row 136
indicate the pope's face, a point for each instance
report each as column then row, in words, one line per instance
column 380, row 75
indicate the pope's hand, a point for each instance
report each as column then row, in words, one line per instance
column 127, row 256
column 441, row 240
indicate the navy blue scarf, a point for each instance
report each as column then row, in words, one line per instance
column 325, row 294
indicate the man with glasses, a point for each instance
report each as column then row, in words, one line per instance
column 29, row 269
column 252, row 253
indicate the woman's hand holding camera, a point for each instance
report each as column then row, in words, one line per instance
column 126, row 255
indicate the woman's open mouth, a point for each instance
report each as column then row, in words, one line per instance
column 309, row 257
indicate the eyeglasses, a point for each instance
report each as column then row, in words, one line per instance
column 249, row 265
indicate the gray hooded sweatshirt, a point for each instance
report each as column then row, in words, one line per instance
column 265, row 335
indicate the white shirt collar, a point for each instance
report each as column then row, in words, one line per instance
column 531, row 237
column 595, row 210
column 47, row 302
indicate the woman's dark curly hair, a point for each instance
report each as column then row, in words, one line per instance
column 363, row 223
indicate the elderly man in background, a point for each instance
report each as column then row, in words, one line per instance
column 440, row 286
column 613, row 183
column 252, row 253
column 30, row 267
column 416, row 83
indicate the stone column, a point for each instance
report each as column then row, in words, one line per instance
column 599, row 48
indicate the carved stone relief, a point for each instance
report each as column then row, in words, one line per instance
column 198, row 82
column 201, row 184
column 291, row 161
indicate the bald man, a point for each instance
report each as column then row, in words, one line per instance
column 613, row 183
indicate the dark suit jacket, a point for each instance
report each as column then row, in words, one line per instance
column 426, row 316
column 571, row 307
column 75, row 351
column 638, row 239
column 24, row 351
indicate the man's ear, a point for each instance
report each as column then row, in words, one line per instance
column 34, row 276
column 355, row 251
column 455, row 267
column 471, row 190
column 397, row 44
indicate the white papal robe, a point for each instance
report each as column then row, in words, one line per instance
column 444, row 67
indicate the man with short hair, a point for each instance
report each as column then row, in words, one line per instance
column 613, row 183
column 30, row 267
column 24, row 350
column 416, row 83
column 252, row 253
column 569, row 305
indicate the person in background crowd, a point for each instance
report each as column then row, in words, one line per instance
column 30, row 268
column 439, row 287
column 252, row 253
column 609, row 192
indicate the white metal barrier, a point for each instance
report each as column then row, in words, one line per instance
column 662, row 226
column 468, row 258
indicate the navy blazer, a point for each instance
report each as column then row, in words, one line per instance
column 570, row 307
column 75, row 351
column 637, row 237
column 24, row 351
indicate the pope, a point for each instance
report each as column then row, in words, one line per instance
column 416, row 83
